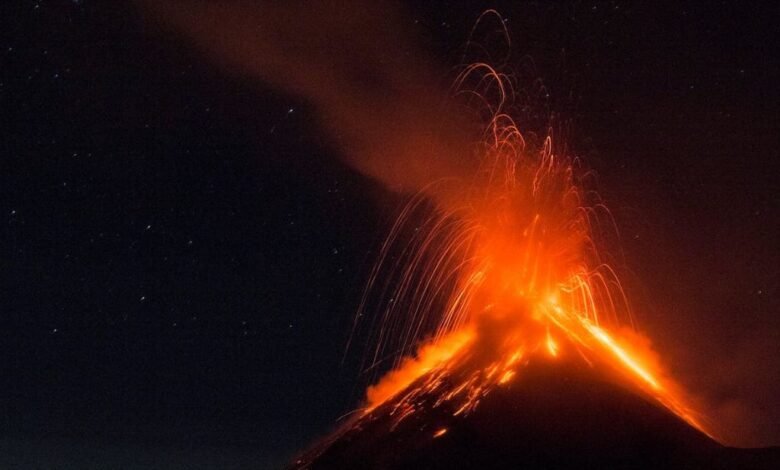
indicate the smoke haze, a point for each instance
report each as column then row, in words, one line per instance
column 375, row 95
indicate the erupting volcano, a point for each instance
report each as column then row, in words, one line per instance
column 504, row 277
column 496, row 294
column 509, row 268
column 525, row 352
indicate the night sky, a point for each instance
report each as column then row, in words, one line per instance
column 182, row 253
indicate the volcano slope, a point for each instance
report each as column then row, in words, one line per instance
column 552, row 415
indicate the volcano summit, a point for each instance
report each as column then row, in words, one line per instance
column 554, row 415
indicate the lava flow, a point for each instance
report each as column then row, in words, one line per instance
column 506, row 271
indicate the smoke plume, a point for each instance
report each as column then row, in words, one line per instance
column 375, row 95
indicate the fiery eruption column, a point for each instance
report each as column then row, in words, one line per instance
column 508, row 271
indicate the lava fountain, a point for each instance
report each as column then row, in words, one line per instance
column 507, row 270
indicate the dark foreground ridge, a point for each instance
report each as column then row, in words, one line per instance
column 551, row 416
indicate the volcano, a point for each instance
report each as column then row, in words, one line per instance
column 553, row 415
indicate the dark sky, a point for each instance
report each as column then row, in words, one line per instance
column 182, row 253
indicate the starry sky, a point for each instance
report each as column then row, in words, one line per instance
column 182, row 254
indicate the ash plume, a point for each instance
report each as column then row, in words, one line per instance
column 376, row 95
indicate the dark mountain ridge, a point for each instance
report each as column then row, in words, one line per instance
column 553, row 414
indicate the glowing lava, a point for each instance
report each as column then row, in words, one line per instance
column 507, row 271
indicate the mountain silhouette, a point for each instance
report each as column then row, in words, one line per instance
column 552, row 415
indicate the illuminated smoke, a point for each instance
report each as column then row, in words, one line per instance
column 375, row 94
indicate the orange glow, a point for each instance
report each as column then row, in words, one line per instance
column 552, row 346
column 516, row 262
column 506, row 377
column 429, row 357
column 440, row 433
column 623, row 356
